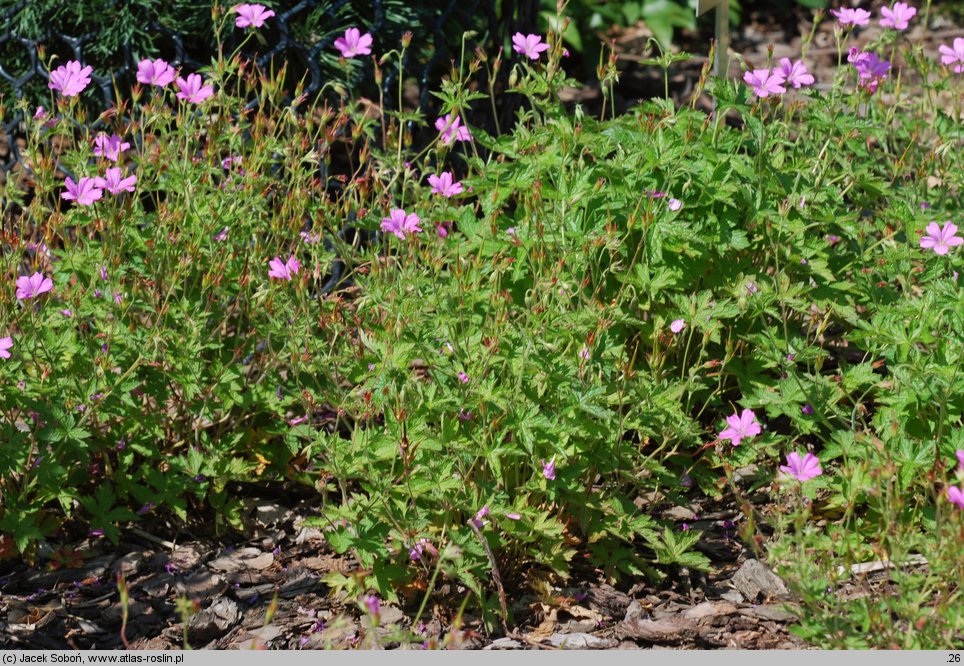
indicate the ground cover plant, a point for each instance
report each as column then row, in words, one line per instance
column 494, row 355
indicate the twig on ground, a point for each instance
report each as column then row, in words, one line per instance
column 170, row 545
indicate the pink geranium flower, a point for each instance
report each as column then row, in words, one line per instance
column 530, row 46
column 109, row 147
column 941, row 239
column 33, row 286
column 870, row 68
column 802, row 469
column 954, row 55
column 400, row 223
column 251, row 16
column 848, row 16
column 70, row 79
column 795, row 73
column 5, row 345
column 418, row 549
column 283, row 270
column 374, row 605
column 354, row 43
column 674, row 204
column 445, row 184
column 549, row 469
column 956, row 496
column 480, row 514
column 741, row 426
column 897, row 17
column 155, row 72
column 450, row 128
column 115, row 183
column 960, row 458
column 677, row 325
column 764, row 83
column 193, row 90
column 85, row 191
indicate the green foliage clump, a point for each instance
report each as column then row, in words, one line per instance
column 518, row 379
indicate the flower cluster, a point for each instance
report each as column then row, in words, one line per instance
column 871, row 70
column 766, row 82
column 160, row 73
column 897, row 17
column 87, row 190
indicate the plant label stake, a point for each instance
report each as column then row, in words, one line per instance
column 722, row 31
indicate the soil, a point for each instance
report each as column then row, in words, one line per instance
column 74, row 600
